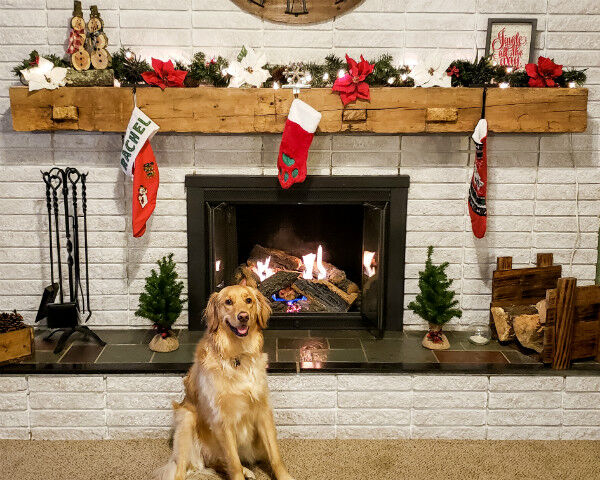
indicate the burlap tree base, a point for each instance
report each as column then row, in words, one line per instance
column 163, row 345
column 435, row 338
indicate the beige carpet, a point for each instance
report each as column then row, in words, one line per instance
column 318, row 459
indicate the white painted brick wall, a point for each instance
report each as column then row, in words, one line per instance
column 314, row 406
column 533, row 178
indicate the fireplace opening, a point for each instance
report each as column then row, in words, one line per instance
column 305, row 258
column 327, row 254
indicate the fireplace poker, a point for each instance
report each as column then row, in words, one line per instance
column 85, row 243
column 49, row 294
column 65, row 191
column 55, row 183
column 74, row 176
column 46, row 177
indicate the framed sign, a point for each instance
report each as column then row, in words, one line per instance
column 510, row 41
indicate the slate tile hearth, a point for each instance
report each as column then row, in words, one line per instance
column 288, row 350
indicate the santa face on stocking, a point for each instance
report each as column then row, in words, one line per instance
column 143, row 196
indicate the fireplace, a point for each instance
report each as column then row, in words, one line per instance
column 327, row 254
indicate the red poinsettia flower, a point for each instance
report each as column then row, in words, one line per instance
column 164, row 75
column 352, row 85
column 453, row 72
column 544, row 73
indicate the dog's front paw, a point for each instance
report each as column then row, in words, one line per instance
column 248, row 473
column 287, row 476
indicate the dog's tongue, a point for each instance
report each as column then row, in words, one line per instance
column 242, row 330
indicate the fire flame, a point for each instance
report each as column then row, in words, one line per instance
column 309, row 263
column 262, row 269
column 369, row 263
column 320, row 268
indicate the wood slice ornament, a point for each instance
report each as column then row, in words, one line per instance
column 97, row 40
column 80, row 58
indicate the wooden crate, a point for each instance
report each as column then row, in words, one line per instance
column 264, row 110
column 16, row 344
column 523, row 286
column 572, row 324
column 572, row 328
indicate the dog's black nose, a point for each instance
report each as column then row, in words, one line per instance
column 243, row 317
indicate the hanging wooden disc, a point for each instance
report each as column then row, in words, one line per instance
column 100, row 59
column 78, row 23
column 101, row 40
column 81, row 60
column 297, row 11
column 95, row 24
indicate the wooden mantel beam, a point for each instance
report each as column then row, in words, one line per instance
column 264, row 110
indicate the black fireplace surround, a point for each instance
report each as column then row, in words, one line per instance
column 346, row 215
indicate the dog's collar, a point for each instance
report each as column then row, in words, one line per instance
column 236, row 362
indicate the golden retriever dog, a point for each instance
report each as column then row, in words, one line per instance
column 225, row 419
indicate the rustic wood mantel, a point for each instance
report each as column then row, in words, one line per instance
column 264, row 110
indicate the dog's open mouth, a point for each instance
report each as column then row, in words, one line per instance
column 239, row 331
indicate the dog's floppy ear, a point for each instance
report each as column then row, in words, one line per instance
column 211, row 314
column 263, row 309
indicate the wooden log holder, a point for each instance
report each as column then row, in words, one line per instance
column 568, row 316
column 264, row 110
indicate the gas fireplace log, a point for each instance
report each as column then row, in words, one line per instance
column 321, row 295
column 334, row 274
column 279, row 258
column 348, row 286
column 280, row 280
column 504, row 318
column 245, row 276
column 349, row 298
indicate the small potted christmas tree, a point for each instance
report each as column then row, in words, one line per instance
column 161, row 303
column 435, row 304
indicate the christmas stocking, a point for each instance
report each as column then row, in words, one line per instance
column 137, row 160
column 297, row 136
column 478, row 189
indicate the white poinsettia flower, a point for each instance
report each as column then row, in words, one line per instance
column 44, row 76
column 431, row 72
column 248, row 70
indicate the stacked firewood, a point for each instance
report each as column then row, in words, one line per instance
column 334, row 293
column 524, row 323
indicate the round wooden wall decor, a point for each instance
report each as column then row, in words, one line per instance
column 297, row 11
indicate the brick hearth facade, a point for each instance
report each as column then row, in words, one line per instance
column 315, row 406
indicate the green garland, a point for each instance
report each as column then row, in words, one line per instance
column 203, row 72
column 385, row 74
column 482, row 72
column 128, row 69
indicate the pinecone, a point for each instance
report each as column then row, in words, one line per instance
column 9, row 322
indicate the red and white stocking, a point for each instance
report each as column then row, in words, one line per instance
column 145, row 188
column 297, row 136
column 137, row 160
column 478, row 188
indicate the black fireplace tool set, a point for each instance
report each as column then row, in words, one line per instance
column 65, row 315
